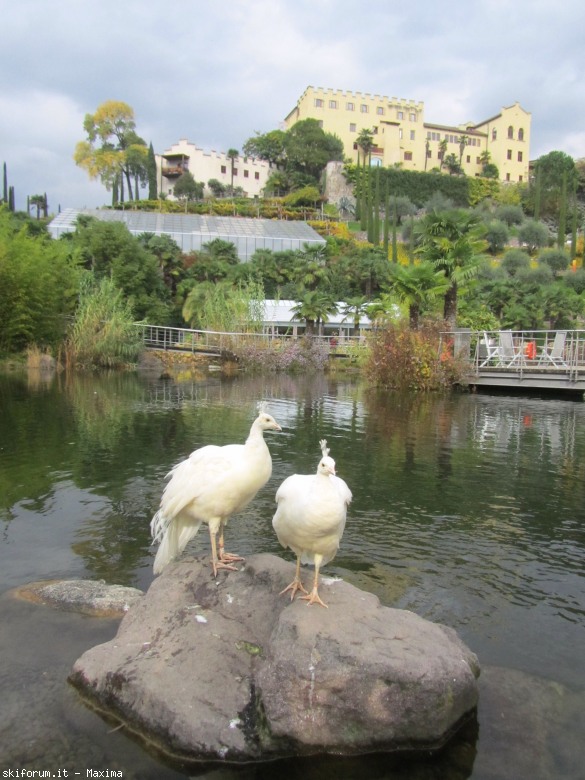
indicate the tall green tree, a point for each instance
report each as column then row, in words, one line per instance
column 151, row 173
column 418, row 287
column 365, row 142
column 452, row 241
column 232, row 155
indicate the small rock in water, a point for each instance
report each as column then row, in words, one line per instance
column 90, row 597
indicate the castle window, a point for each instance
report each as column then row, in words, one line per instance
column 400, row 114
column 494, row 134
column 519, row 156
column 520, row 134
column 318, row 103
column 509, row 154
column 246, row 173
column 364, row 108
column 257, row 175
column 412, row 135
column 333, row 104
column 510, row 132
column 350, row 106
column 352, row 127
column 408, row 155
column 223, row 169
column 380, row 110
column 412, row 117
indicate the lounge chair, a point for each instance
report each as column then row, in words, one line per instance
column 555, row 354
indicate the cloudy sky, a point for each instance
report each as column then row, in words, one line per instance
column 216, row 72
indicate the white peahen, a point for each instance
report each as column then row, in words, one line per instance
column 212, row 484
column 310, row 519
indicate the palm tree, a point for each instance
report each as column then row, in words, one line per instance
column 310, row 268
column 355, row 308
column 315, row 308
column 232, row 155
column 365, row 142
column 417, row 286
column 452, row 241
column 442, row 152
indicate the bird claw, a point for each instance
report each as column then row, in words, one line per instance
column 220, row 565
column 312, row 598
column 293, row 587
column 229, row 557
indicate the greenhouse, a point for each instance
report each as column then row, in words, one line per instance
column 192, row 231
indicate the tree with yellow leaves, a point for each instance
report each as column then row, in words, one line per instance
column 113, row 150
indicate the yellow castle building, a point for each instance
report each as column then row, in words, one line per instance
column 403, row 137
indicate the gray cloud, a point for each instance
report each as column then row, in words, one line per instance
column 216, row 73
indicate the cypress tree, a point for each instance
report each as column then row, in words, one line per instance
column 5, row 196
column 386, row 217
column 151, row 169
column 574, row 223
column 394, row 242
column 537, row 193
column 358, row 192
column 376, row 226
column 364, row 197
column 11, row 198
column 561, row 235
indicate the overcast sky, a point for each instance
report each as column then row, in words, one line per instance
column 216, row 72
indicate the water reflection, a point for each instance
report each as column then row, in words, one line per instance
column 467, row 509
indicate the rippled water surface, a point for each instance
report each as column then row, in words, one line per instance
column 468, row 510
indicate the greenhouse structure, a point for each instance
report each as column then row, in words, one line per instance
column 192, row 231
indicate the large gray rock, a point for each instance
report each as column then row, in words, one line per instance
column 229, row 669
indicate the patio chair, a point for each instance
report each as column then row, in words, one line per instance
column 555, row 354
column 507, row 353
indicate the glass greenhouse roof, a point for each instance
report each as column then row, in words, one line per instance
column 191, row 231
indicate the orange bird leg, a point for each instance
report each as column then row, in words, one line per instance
column 313, row 596
column 224, row 556
column 296, row 584
column 215, row 562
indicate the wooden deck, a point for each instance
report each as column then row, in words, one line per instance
column 529, row 360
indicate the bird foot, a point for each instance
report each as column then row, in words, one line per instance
column 226, row 557
column 293, row 587
column 312, row 598
column 221, row 565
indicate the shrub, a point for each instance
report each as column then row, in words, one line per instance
column 511, row 215
column 496, row 235
column 103, row 333
column 556, row 259
column 404, row 359
column 515, row 260
column 298, row 355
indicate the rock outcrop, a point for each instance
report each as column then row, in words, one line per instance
column 227, row 669
column 90, row 597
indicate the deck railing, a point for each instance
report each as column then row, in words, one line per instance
column 519, row 352
column 217, row 342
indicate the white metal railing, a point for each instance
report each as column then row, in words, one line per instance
column 541, row 351
column 215, row 342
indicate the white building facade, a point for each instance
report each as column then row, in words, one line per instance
column 248, row 173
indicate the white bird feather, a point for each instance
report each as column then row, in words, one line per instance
column 310, row 518
column 210, row 486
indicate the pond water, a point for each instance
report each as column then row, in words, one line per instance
column 468, row 510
